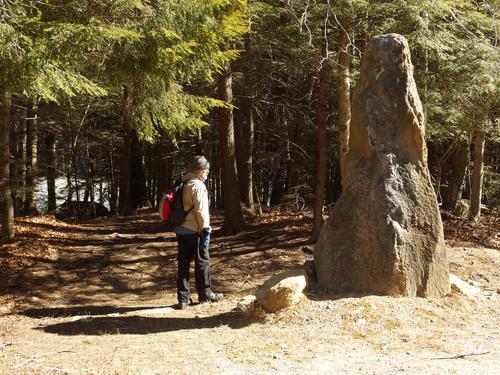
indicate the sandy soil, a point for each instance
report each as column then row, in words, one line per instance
column 99, row 298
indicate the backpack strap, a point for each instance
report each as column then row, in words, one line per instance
column 183, row 186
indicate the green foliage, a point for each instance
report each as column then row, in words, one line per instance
column 171, row 111
column 53, row 84
column 43, row 46
column 180, row 41
column 168, row 50
column 57, row 49
column 466, row 85
column 455, row 56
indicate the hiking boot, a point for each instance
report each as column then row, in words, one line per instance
column 212, row 297
column 182, row 305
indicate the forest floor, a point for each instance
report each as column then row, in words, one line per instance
column 99, row 298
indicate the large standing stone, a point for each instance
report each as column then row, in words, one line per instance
column 385, row 233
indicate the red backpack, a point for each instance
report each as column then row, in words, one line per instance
column 171, row 208
column 166, row 205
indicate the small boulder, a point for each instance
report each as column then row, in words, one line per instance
column 462, row 287
column 281, row 291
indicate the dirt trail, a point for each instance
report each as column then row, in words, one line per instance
column 99, row 298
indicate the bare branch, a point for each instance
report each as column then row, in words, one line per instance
column 462, row 25
column 303, row 21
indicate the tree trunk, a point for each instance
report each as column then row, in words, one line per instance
column 6, row 202
column 101, row 192
column 344, row 96
column 74, row 164
column 293, row 134
column 477, row 177
column 126, row 149
column 90, row 194
column 13, row 169
column 154, row 171
column 170, row 171
column 138, row 176
column 148, row 171
column 245, row 167
column 133, row 183
column 216, row 178
column 319, row 187
column 199, row 143
column 334, row 185
column 113, row 186
column 245, row 175
column 31, row 158
column 69, row 184
column 459, row 162
column 239, row 144
column 441, row 162
column 20, row 163
column 233, row 217
column 162, row 173
column 50, row 147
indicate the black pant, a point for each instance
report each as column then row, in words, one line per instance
column 193, row 245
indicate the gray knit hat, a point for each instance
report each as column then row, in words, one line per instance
column 198, row 162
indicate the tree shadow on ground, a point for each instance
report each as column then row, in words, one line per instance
column 62, row 312
column 142, row 325
column 118, row 242
column 121, row 258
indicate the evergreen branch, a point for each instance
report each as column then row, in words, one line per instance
column 467, row 30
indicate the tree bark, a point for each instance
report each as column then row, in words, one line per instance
column 133, row 179
column 13, row 168
column 199, row 143
column 319, row 187
column 31, row 158
column 113, row 186
column 6, row 202
column 459, row 161
column 333, row 185
column 233, row 217
column 69, row 184
column 74, row 162
column 477, row 177
column 441, row 162
column 126, row 150
column 18, row 177
column 162, row 173
column 239, row 144
column 90, row 190
column 215, row 178
column 245, row 167
column 344, row 96
column 293, row 132
column 245, row 173
column 50, row 147
column 148, row 170
column 138, row 176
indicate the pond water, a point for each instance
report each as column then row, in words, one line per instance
column 41, row 199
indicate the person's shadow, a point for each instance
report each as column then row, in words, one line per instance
column 87, row 324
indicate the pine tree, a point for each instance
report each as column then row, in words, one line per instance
column 39, row 55
column 177, row 42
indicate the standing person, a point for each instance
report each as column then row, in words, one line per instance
column 193, row 236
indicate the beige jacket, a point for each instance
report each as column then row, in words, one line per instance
column 195, row 195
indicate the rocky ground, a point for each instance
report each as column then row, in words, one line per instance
column 98, row 298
